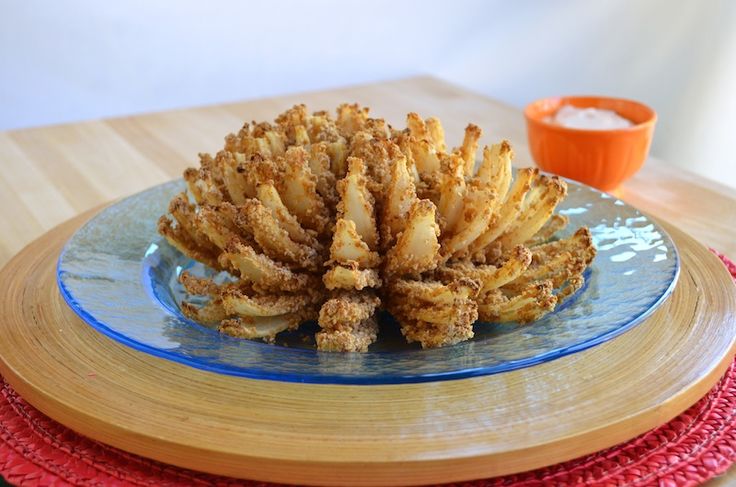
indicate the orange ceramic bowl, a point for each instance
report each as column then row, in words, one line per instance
column 601, row 158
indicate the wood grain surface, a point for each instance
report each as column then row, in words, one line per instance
column 363, row 435
column 51, row 174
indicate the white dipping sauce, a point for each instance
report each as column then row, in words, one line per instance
column 589, row 118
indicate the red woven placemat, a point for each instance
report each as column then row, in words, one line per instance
column 692, row 448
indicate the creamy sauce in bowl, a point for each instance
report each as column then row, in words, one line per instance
column 588, row 118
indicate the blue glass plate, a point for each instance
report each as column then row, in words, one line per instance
column 119, row 276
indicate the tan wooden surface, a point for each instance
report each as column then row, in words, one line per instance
column 50, row 174
column 363, row 435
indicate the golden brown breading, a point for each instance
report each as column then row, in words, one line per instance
column 262, row 272
column 436, row 133
column 452, row 192
column 533, row 303
column 348, row 246
column 357, row 202
column 573, row 285
column 348, row 322
column 325, row 216
column 274, row 239
column 433, row 335
column 298, row 189
column 495, row 169
column 355, row 339
column 198, row 286
column 374, row 153
column 351, row 277
column 320, row 164
column 184, row 242
column 536, row 210
column 290, row 120
column 469, row 147
column 506, row 213
column 580, row 243
column 346, row 309
column 264, row 328
column 400, row 196
column 184, row 214
column 212, row 312
column 477, row 210
column 269, row 196
column 561, row 263
column 490, row 276
column 417, row 247
column 433, row 313
column 218, row 224
column 238, row 303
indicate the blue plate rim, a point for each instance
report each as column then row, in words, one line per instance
column 260, row 374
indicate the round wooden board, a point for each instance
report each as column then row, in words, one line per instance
column 363, row 435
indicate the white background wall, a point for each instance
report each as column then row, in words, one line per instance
column 77, row 59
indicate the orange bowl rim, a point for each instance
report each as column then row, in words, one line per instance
column 639, row 126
